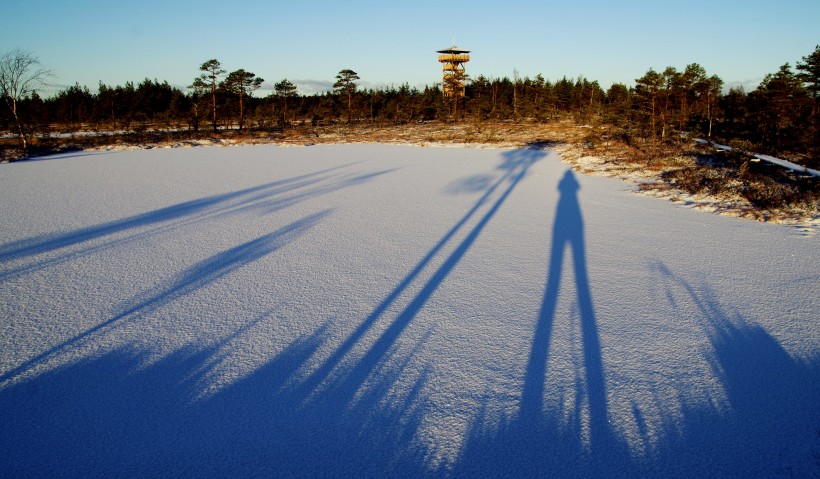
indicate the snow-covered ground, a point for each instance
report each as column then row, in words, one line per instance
column 374, row 310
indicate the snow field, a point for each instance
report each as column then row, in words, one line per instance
column 377, row 310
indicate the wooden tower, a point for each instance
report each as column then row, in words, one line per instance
column 454, row 78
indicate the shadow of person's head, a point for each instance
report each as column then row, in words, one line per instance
column 568, row 184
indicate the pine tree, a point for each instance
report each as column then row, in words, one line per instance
column 345, row 84
column 212, row 72
column 809, row 74
column 242, row 83
column 781, row 94
column 198, row 90
column 708, row 92
column 284, row 90
column 648, row 90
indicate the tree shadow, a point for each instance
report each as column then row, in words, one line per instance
column 266, row 199
column 64, row 153
column 190, row 280
column 304, row 412
column 117, row 414
column 766, row 422
column 355, row 407
column 348, row 379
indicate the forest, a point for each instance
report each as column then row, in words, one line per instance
column 779, row 117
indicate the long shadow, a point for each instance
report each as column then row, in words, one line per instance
column 125, row 413
column 568, row 232
column 266, row 198
column 762, row 421
column 515, row 165
column 193, row 278
column 262, row 424
column 64, row 154
column 53, row 241
column 556, row 439
column 271, row 205
column 121, row 415
column 769, row 424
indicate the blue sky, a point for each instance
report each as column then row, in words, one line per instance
column 87, row 41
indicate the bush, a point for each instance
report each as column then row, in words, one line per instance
column 732, row 174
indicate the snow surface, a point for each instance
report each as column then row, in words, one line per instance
column 374, row 310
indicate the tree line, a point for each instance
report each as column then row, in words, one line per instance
column 779, row 116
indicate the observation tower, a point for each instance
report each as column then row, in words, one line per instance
column 454, row 77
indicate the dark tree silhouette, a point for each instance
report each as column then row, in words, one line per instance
column 242, row 83
column 212, row 72
column 345, row 84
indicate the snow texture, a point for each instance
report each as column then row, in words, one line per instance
column 374, row 310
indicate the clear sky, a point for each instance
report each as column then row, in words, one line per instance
column 308, row 42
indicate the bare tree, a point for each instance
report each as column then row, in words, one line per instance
column 20, row 76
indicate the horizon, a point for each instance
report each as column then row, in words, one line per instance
column 88, row 42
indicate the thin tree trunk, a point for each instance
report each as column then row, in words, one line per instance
column 653, row 124
column 515, row 100
column 709, row 114
column 535, row 108
column 241, row 111
column 23, row 140
column 213, row 103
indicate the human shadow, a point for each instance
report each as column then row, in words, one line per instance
column 752, row 414
column 131, row 412
column 573, row 438
column 567, row 233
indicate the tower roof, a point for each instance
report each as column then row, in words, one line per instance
column 453, row 50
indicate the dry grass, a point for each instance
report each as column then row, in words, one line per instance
column 710, row 180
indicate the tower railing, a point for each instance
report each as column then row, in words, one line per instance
column 453, row 58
